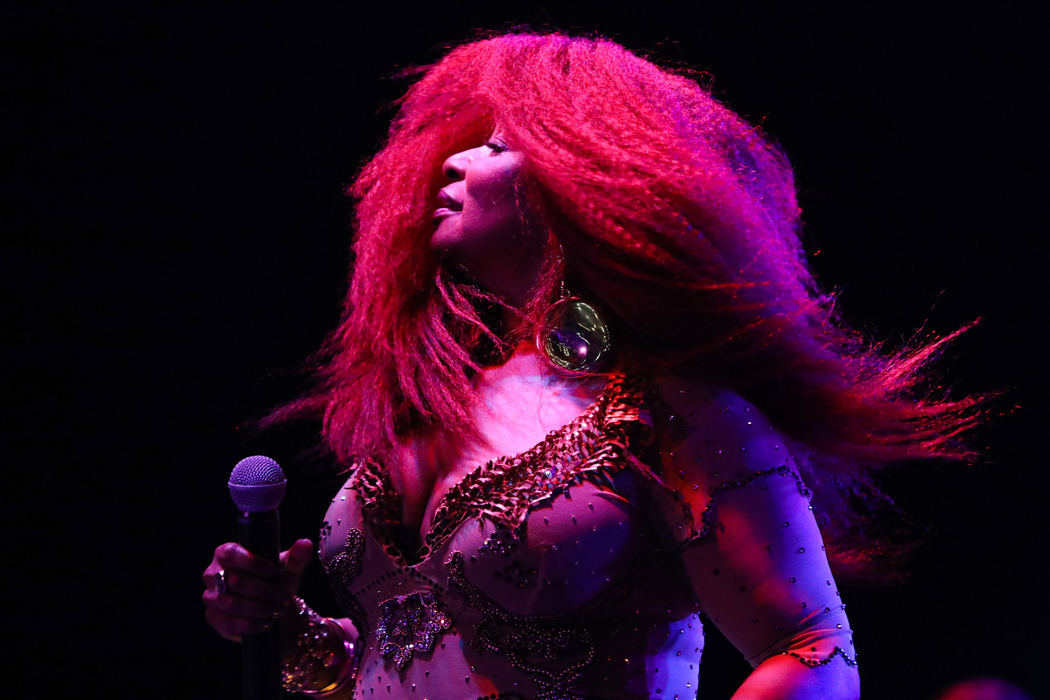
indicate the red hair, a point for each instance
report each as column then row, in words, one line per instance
column 675, row 215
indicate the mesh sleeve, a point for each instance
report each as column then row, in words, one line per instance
column 740, row 518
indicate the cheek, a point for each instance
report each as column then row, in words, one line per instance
column 494, row 187
column 497, row 219
column 493, row 184
column 493, row 203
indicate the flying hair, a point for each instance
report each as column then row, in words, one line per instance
column 668, row 210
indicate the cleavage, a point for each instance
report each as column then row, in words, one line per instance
column 420, row 486
column 517, row 413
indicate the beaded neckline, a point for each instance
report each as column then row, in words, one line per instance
column 503, row 489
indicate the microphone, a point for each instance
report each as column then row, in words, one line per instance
column 257, row 487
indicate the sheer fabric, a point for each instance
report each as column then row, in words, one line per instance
column 580, row 567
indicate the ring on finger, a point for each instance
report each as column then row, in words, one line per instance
column 220, row 581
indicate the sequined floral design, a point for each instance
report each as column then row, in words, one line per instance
column 342, row 570
column 345, row 566
column 409, row 624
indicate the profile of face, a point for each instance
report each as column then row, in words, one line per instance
column 481, row 227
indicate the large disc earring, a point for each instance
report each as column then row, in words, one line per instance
column 573, row 337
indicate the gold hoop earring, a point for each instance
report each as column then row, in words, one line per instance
column 573, row 337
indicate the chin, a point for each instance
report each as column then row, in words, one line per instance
column 447, row 234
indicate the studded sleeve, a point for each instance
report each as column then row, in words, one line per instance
column 740, row 518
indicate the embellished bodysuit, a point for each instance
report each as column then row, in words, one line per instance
column 579, row 569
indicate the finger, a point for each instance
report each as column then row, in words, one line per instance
column 293, row 563
column 236, row 606
column 233, row 557
column 296, row 557
column 293, row 574
column 246, row 585
column 210, row 577
column 234, row 627
column 261, row 589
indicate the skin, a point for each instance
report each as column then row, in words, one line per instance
column 521, row 401
column 481, row 230
column 490, row 239
column 256, row 593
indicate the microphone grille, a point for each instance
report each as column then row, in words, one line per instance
column 257, row 484
column 256, row 471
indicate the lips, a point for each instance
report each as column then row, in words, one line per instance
column 447, row 205
column 442, row 212
column 447, row 201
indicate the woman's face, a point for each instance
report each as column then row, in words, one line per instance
column 480, row 226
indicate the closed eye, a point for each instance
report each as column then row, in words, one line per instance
column 496, row 147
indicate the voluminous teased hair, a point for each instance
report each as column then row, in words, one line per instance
column 675, row 215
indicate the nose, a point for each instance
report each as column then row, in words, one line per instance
column 455, row 166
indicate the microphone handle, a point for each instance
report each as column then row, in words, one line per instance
column 259, row 533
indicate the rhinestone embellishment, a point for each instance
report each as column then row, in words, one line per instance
column 409, row 624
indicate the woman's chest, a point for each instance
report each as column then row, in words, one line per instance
column 513, row 414
column 524, row 608
column 571, row 506
column 565, row 547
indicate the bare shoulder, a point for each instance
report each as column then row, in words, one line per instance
column 691, row 406
column 712, row 433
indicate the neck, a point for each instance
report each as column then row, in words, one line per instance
column 526, row 360
column 523, row 359
column 527, row 365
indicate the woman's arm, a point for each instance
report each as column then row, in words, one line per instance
column 750, row 545
column 245, row 594
column 784, row 678
column 320, row 654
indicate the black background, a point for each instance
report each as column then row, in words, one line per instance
column 176, row 242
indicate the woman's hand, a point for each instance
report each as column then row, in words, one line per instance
column 244, row 594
